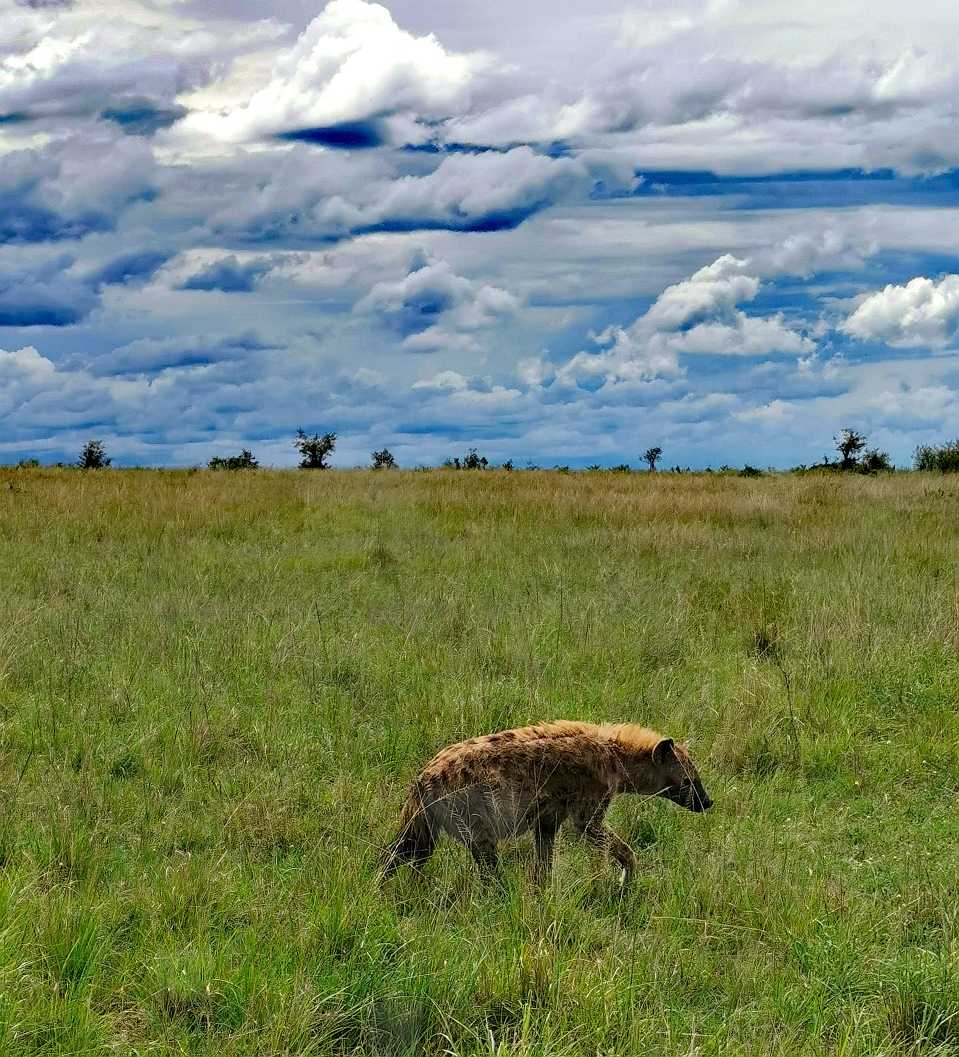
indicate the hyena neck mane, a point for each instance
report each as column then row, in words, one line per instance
column 643, row 756
column 626, row 739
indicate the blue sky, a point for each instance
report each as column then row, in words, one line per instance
column 558, row 233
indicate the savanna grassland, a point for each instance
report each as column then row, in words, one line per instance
column 215, row 688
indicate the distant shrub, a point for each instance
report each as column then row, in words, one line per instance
column 623, row 467
column 508, row 465
column 944, row 458
column 27, row 464
column 383, row 460
column 750, row 471
column 243, row 461
column 314, row 449
column 875, row 461
column 93, row 456
column 593, row 468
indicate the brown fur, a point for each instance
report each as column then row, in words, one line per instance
column 498, row 786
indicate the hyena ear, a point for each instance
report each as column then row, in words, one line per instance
column 661, row 750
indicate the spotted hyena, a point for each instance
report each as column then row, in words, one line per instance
column 496, row 787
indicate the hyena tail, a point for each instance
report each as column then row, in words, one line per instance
column 414, row 842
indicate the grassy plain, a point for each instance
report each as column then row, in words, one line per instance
column 215, row 687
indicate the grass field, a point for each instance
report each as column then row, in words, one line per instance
column 215, row 687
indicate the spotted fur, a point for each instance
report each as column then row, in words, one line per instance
column 499, row 786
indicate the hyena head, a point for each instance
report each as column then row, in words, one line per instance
column 676, row 777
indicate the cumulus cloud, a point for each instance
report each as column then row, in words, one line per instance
column 698, row 315
column 343, row 197
column 151, row 356
column 46, row 295
column 432, row 307
column 24, row 364
column 701, row 97
column 127, row 65
column 350, row 65
column 686, row 81
column 923, row 312
column 72, row 186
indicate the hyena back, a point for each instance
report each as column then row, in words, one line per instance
column 499, row 786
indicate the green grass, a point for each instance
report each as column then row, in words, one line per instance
column 215, row 687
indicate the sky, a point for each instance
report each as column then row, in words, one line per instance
column 558, row 233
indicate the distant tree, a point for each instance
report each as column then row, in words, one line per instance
column 651, row 455
column 750, row 471
column 383, row 460
column 243, row 461
column 314, row 449
column 849, row 444
column 508, row 465
column 93, row 456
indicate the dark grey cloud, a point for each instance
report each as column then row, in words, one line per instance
column 46, row 295
column 151, row 356
column 129, row 268
column 228, row 275
column 142, row 119
column 348, row 135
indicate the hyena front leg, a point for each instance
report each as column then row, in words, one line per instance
column 413, row 846
column 598, row 835
column 544, row 833
column 483, row 851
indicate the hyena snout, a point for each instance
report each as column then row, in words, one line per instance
column 691, row 795
column 697, row 799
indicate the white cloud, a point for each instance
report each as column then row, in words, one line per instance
column 24, row 364
column 433, row 308
column 451, row 381
column 352, row 63
column 924, row 312
column 127, row 62
column 698, row 315
column 346, row 195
